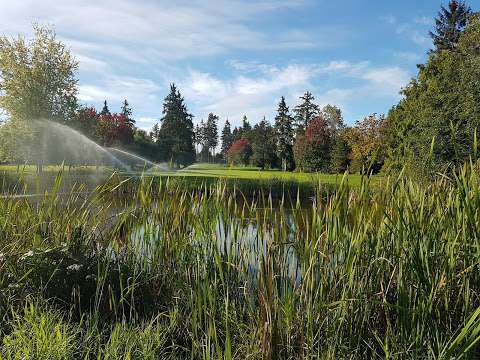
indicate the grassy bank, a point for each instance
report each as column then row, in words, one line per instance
column 175, row 273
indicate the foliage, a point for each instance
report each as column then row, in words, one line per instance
column 226, row 138
column 449, row 25
column 263, row 145
column 366, row 139
column 37, row 78
column 433, row 126
column 284, row 136
column 312, row 150
column 175, row 137
column 127, row 112
column 114, row 130
column 206, row 135
column 86, row 121
column 17, row 142
column 240, row 152
column 305, row 112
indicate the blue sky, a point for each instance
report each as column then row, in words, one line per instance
column 237, row 57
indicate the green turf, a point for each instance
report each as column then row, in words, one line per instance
column 204, row 170
column 253, row 173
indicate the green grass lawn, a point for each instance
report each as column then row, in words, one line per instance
column 253, row 173
column 204, row 170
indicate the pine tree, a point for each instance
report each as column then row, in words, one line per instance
column 451, row 22
column 210, row 140
column 198, row 133
column 176, row 132
column 127, row 112
column 105, row 110
column 246, row 129
column 227, row 139
column 284, row 136
column 305, row 112
column 263, row 145
column 154, row 133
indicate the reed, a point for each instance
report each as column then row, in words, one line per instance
column 151, row 268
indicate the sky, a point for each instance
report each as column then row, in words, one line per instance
column 236, row 57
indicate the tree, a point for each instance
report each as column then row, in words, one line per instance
column 284, row 136
column 340, row 149
column 227, row 139
column 440, row 107
column 198, row 134
column 263, row 145
column 114, row 130
column 86, row 121
column 127, row 112
column 211, row 134
column 312, row 150
column 105, row 109
column 37, row 78
column 305, row 112
column 17, row 142
column 333, row 117
column 245, row 129
column 154, row 132
column 240, row 152
column 176, row 131
column 366, row 140
column 449, row 24
column 340, row 152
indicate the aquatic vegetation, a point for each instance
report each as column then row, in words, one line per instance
column 152, row 268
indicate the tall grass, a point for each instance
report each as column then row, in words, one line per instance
column 387, row 272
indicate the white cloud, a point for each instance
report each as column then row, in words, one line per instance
column 389, row 19
column 257, row 87
column 147, row 30
column 407, row 56
column 388, row 79
column 116, row 89
column 424, row 20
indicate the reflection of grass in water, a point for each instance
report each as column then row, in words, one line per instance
column 385, row 273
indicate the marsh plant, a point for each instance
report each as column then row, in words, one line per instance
column 387, row 271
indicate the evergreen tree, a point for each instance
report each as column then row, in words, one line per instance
column 284, row 136
column 127, row 112
column 211, row 133
column 227, row 139
column 154, row 133
column 449, row 24
column 432, row 128
column 236, row 134
column 176, row 132
column 263, row 145
column 105, row 110
column 305, row 112
column 245, row 129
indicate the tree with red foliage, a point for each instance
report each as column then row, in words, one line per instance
column 312, row 150
column 114, row 130
column 86, row 121
column 239, row 152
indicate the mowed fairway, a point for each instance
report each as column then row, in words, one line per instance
column 253, row 173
